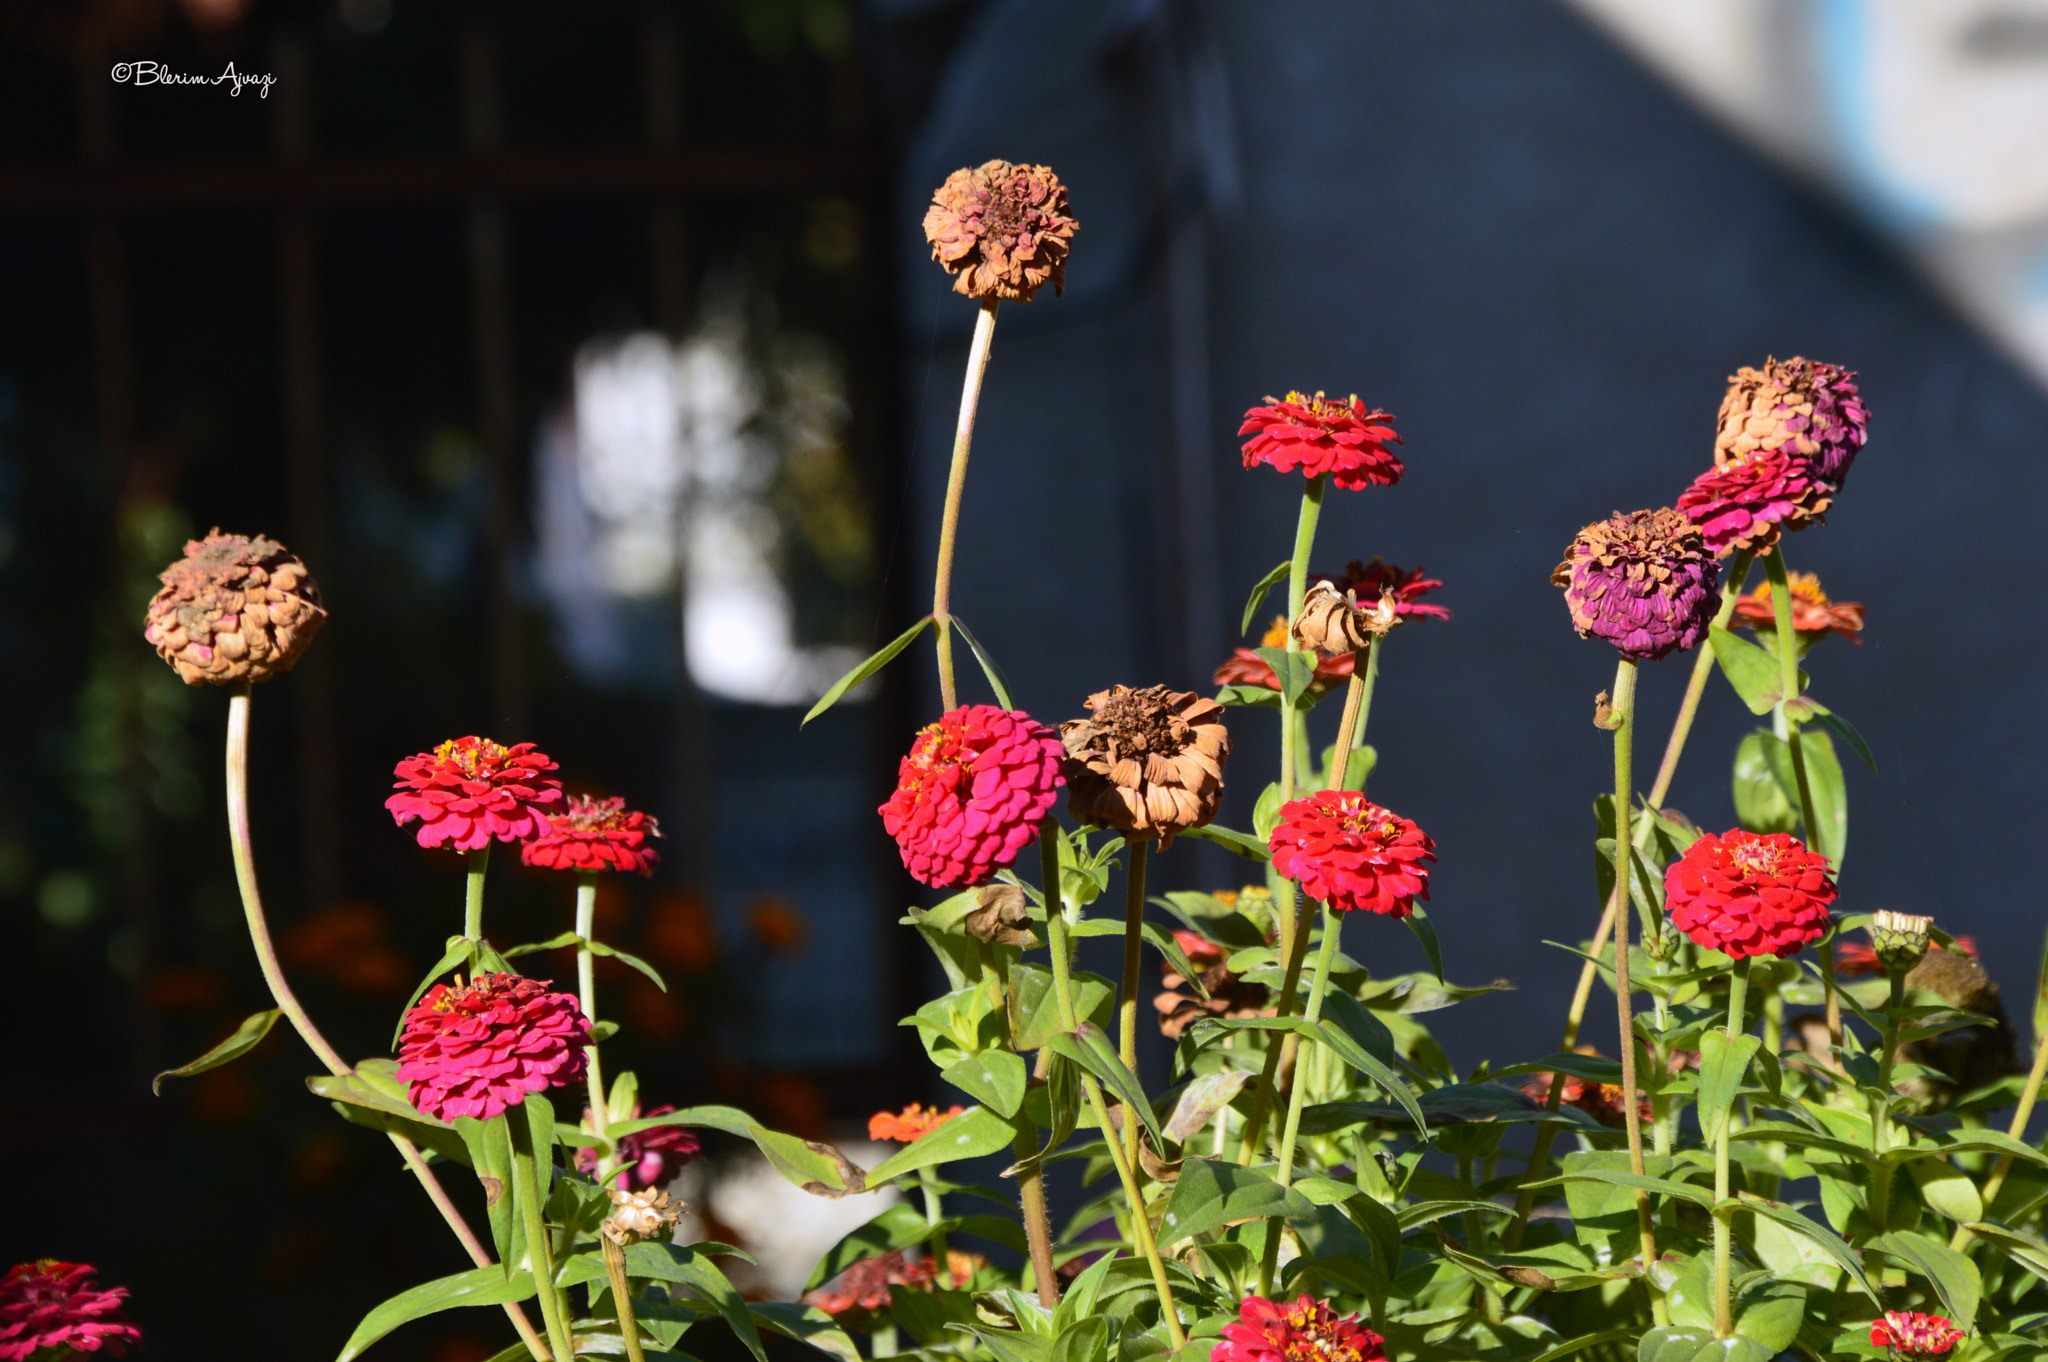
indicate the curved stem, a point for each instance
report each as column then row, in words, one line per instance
column 476, row 862
column 1724, row 1216
column 1788, row 672
column 242, row 848
column 586, row 994
column 2017, row 1130
column 956, row 483
column 1063, row 992
column 622, row 1298
column 1134, row 943
column 538, row 1250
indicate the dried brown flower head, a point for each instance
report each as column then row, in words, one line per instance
column 640, row 1215
column 1002, row 230
column 1148, row 762
column 1332, row 621
column 233, row 609
column 1004, row 917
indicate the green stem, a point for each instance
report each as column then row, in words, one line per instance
column 1134, row 960
column 1788, row 673
column 473, row 896
column 2017, row 1130
column 1623, row 712
column 1319, row 988
column 1702, row 667
column 586, row 989
column 622, row 1298
column 1724, row 1218
column 956, row 484
column 532, row 1206
column 1063, row 992
column 1880, row 1130
column 933, row 1213
column 1372, row 676
column 242, row 848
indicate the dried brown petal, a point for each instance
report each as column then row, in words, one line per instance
column 1331, row 621
column 1004, row 917
column 1002, row 230
column 233, row 609
column 1146, row 762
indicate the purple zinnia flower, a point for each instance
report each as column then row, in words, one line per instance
column 1799, row 405
column 1645, row 582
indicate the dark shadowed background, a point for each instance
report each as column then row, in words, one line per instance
column 398, row 313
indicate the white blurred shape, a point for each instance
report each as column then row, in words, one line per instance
column 786, row 1228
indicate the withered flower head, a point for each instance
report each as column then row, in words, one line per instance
column 1367, row 582
column 637, row 1215
column 1148, row 762
column 1799, row 405
column 1002, row 230
column 1643, row 581
column 1003, row 919
column 1181, row 1005
column 233, row 609
column 1331, row 621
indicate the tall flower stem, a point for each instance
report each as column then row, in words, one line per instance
column 1134, row 945
column 622, row 1297
column 243, row 849
column 1063, row 992
column 2017, row 1130
column 1372, row 676
column 1788, row 671
column 1624, row 721
column 532, row 1207
column 1724, row 1215
column 956, row 483
column 586, row 992
column 475, row 863
column 1702, row 667
column 1297, row 1091
column 1880, row 1127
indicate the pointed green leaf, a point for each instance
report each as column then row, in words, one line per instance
column 1724, row 1061
column 1093, row 1051
column 677, row 1263
column 1846, row 731
column 1251, row 848
column 970, row 1135
column 1295, row 671
column 999, row 683
column 1831, row 1243
column 1212, row 1193
column 819, row 1168
column 1259, row 594
column 1418, row 922
column 478, row 1286
column 553, row 943
column 995, row 1078
column 1200, row 1101
column 806, row 1324
column 1753, row 672
column 866, row 669
column 1953, row 1276
column 614, row 953
column 1761, row 804
column 246, row 1037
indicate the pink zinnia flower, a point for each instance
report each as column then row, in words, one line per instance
column 971, row 794
column 1341, row 437
column 1748, row 893
column 1744, row 505
column 48, row 1304
column 649, row 1158
column 1350, row 853
column 477, row 1049
column 1306, row 1331
column 592, row 835
column 469, row 790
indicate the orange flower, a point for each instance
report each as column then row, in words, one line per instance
column 914, row 1122
column 1813, row 614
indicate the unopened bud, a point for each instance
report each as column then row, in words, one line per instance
column 1900, row 939
column 640, row 1215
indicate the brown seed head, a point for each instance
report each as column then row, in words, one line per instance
column 233, row 609
column 640, row 1215
column 1146, row 761
column 1002, row 230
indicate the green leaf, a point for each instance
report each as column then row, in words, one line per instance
column 1296, row 672
column 1583, row 1342
column 1259, row 594
column 1843, row 729
column 676, row 1263
column 1753, row 672
column 540, row 1127
column 1266, row 813
column 995, row 1078
column 1200, row 1101
column 613, row 952
column 1418, row 922
column 1621, row 1177
column 1770, row 1313
column 1830, row 1243
column 805, row 1324
column 813, row 1165
column 553, row 943
column 1954, row 1277
column 1724, row 1061
column 731, row 1120
column 1600, row 1208
column 999, row 683
column 1761, row 804
column 1090, row 1048
column 866, row 669
column 1354, row 1054
column 1212, row 1193
column 1686, row 1343
column 970, row 1135
column 460, row 949
column 1251, row 848
column 1078, row 1300
column 2026, row 1250
column 1038, row 1002
column 478, row 1286
column 246, row 1037
column 1947, row 1189
column 1086, row 1340
column 1162, row 941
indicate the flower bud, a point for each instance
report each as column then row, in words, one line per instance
column 1900, row 939
column 640, row 1215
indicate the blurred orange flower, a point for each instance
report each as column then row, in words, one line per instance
column 914, row 1122
column 778, row 923
column 680, row 933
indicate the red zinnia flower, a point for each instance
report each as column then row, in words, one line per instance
column 1601, row 1101
column 1812, row 612
column 1367, row 582
column 971, row 794
column 1748, row 893
column 1744, row 505
column 1306, row 1331
column 48, row 1304
column 649, row 1158
column 865, row 1285
column 1858, row 959
column 595, row 834
column 469, row 790
column 914, row 1122
column 477, row 1049
column 1347, row 851
column 1319, row 434
column 1914, row 1335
